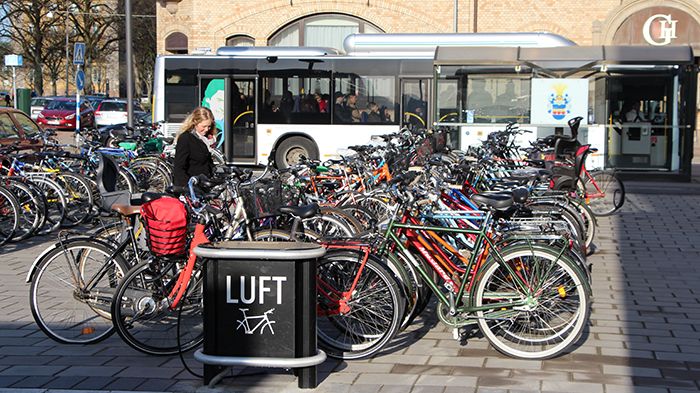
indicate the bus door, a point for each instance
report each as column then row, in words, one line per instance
column 414, row 103
column 242, row 119
column 232, row 101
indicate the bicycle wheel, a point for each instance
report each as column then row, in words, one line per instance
column 62, row 305
column 142, row 315
column 149, row 176
column 79, row 200
column 328, row 226
column 360, row 324
column 362, row 215
column 9, row 215
column 605, row 192
column 31, row 208
column 557, row 302
column 55, row 203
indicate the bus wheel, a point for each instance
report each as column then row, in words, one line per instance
column 291, row 151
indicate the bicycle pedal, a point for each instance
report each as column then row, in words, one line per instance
column 455, row 333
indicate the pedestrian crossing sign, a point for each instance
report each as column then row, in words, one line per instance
column 79, row 53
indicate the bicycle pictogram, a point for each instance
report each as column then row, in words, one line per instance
column 264, row 321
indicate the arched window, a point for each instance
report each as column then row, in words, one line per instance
column 176, row 43
column 240, row 40
column 327, row 30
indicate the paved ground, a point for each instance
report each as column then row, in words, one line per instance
column 644, row 334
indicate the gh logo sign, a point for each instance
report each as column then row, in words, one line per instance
column 659, row 29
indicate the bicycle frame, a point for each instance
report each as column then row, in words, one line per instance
column 456, row 285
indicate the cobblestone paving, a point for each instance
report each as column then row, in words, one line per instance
column 644, row 334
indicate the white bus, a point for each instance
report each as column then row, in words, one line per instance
column 281, row 102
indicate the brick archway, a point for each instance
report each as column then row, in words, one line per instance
column 279, row 14
column 617, row 17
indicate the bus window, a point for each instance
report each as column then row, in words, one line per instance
column 295, row 100
column 180, row 94
column 414, row 99
column 356, row 96
column 498, row 99
column 448, row 103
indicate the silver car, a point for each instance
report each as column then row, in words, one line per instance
column 37, row 105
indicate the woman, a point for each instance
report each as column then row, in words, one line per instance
column 192, row 155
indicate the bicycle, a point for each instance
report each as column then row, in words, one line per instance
column 526, row 295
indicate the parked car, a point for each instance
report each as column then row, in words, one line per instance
column 37, row 105
column 119, row 131
column 95, row 99
column 111, row 112
column 17, row 127
column 60, row 114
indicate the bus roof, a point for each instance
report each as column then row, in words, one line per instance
column 425, row 44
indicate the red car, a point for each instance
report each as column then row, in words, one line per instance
column 17, row 128
column 60, row 114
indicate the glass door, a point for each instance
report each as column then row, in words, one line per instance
column 414, row 103
column 242, row 99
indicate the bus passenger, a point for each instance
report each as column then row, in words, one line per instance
column 373, row 116
column 386, row 114
column 322, row 104
column 194, row 142
column 340, row 111
column 352, row 108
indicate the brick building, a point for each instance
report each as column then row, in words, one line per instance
column 209, row 24
column 202, row 26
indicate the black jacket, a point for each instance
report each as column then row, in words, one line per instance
column 192, row 158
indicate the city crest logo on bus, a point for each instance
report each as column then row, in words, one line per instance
column 558, row 102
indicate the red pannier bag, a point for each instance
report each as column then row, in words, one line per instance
column 165, row 220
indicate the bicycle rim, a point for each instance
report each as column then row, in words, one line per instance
column 554, row 316
column 143, row 318
column 368, row 319
column 62, row 306
column 605, row 193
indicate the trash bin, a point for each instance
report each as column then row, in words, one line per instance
column 24, row 100
column 260, row 308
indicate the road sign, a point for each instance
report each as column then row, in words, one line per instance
column 79, row 53
column 80, row 79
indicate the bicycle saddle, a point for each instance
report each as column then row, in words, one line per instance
column 306, row 211
column 151, row 196
column 496, row 201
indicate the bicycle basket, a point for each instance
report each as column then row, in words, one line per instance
column 165, row 220
column 261, row 198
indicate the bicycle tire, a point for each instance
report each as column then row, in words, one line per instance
column 525, row 333
column 56, row 203
column 142, row 316
column 374, row 312
column 79, row 199
column 149, row 176
column 613, row 191
column 348, row 219
column 9, row 215
column 31, row 211
column 63, row 310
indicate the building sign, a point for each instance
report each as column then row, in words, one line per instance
column 555, row 101
column 659, row 29
column 658, row 26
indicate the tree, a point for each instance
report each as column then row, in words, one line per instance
column 96, row 23
column 26, row 25
column 55, row 56
column 144, row 46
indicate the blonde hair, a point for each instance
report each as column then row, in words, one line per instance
column 198, row 115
